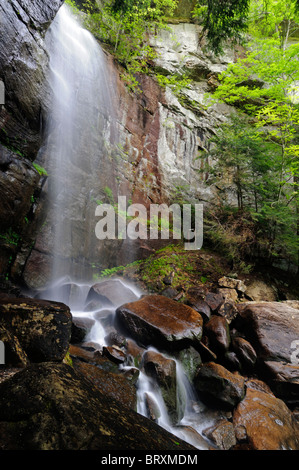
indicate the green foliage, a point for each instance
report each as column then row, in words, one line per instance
column 126, row 26
column 40, row 169
column 222, row 20
column 258, row 173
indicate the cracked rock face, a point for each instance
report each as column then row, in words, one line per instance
column 23, row 65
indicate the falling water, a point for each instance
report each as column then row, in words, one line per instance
column 78, row 127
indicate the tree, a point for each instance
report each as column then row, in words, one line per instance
column 263, row 86
column 228, row 20
column 222, row 20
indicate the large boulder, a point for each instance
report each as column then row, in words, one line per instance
column 51, row 407
column 43, row 328
column 163, row 372
column 264, row 422
column 158, row 321
column 219, row 387
column 271, row 328
column 111, row 292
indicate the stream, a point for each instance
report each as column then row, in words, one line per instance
column 78, row 81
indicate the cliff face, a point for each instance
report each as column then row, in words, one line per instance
column 151, row 156
column 23, row 67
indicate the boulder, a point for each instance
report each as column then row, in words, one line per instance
column 264, row 422
column 111, row 384
column 218, row 387
column 158, row 321
column 283, row 379
column 271, row 328
column 111, row 292
column 217, row 330
column 50, row 406
column 24, row 65
column 222, row 434
column 43, row 328
column 163, row 371
column 245, row 352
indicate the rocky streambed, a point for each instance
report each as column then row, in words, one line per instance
column 76, row 376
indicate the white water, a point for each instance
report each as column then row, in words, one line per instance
column 80, row 97
column 77, row 126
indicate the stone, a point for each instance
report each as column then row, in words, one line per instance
column 111, row 384
column 264, row 422
column 158, row 321
column 214, row 300
column 270, row 327
column 50, row 406
column 245, row 352
column 222, row 434
column 112, row 292
column 258, row 290
column 229, row 294
column 228, row 310
column 283, row 379
column 217, row 330
column 163, row 371
column 24, row 64
column 43, row 328
column 218, row 386
column 114, row 354
column 15, row 356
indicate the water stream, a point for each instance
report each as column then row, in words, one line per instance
column 80, row 100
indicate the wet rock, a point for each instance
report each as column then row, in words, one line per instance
column 271, row 328
column 195, row 298
column 232, row 283
column 214, row 300
column 190, row 359
column 219, row 387
column 231, row 361
column 222, row 434
column 111, row 384
column 228, row 294
column 228, row 310
column 114, row 353
column 217, row 330
column 15, row 356
column 163, row 371
column 161, row 322
column 23, row 65
column 43, row 328
column 111, row 292
column 264, row 422
column 245, row 352
column 283, row 379
column 152, row 409
column 52, row 407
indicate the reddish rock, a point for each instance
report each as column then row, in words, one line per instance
column 217, row 330
column 264, row 422
column 161, row 322
column 222, row 434
column 217, row 386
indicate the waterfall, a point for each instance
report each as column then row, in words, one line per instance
column 79, row 126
